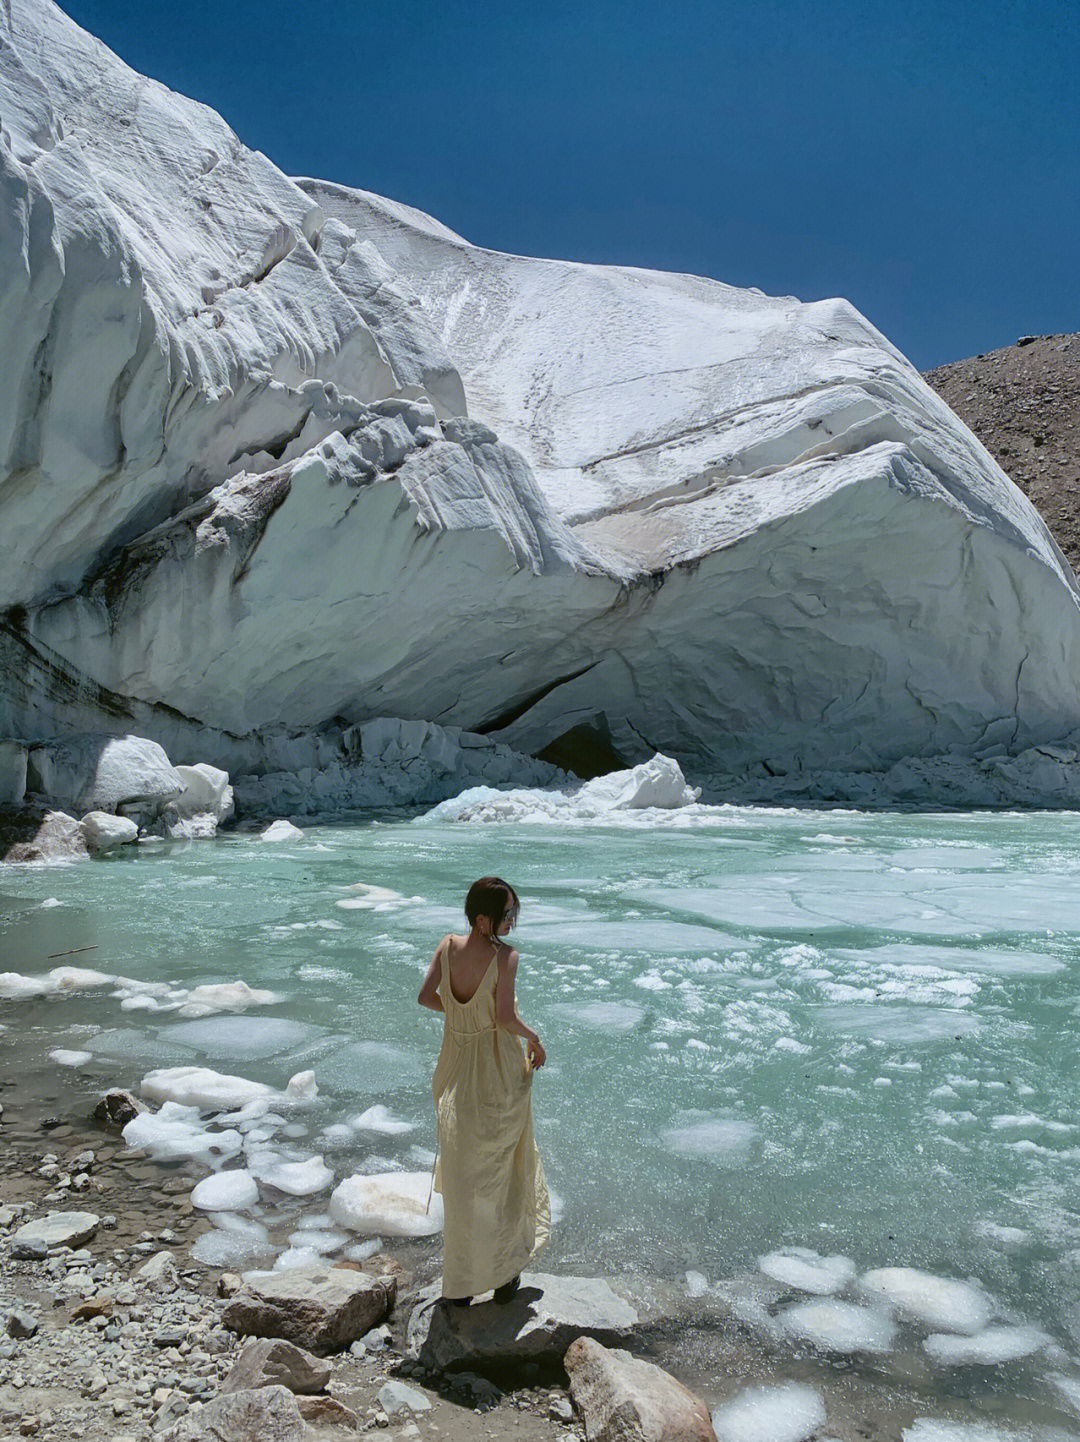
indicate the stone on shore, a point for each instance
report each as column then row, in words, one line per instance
column 400, row 1397
column 539, row 1324
column 271, row 1362
column 263, row 1414
column 59, row 1229
column 118, row 1107
column 105, row 832
column 158, row 1273
column 328, row 1412
column 622, row 1399
column 320, row 1308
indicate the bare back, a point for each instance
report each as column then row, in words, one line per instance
column 467, row 965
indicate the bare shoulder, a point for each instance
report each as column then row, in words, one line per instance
column 508, row 957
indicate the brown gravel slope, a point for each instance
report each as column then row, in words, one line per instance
column 1023, row 403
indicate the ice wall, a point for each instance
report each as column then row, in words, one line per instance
column 240, row 495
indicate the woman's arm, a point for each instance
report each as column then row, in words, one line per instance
column 429, row 992
column 506, row 1008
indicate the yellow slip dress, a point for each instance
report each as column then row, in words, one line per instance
column 495, row 1199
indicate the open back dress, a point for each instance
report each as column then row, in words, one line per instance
column 495, row 1199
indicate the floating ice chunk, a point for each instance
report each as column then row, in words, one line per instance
column 808, row 1270
column 226, row 996
column 835, row 1326
column 49, row 902
column 361, row 1251
column 281, row 831
column 175, row 1133
column 1007, row 1237
column 70, row 1058
column 296, row 1257
column 391, row 1202
column 652, row 981
column 899, row 1023
column 613, row 1016
column 987, row 1348
column 379, row 1120
column 318, row 1240
column 242, row 1038
column 940, row 1303
column 336, row 1135
column 371, row 898
column 725, row 1140
column 299, row 1179
column 788, row 1043
column 198, row 1086
column 302, row 1087
column 697, row 1284
column 658, row 782
column 930, row 1429
column 61, row 979
column 225, row 1192
column 233, row 1241
column 788, row 1413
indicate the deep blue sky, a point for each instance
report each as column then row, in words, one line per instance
column 920, row 157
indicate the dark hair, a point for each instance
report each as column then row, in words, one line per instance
column 492, row 897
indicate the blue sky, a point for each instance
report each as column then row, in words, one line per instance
column 921, row 158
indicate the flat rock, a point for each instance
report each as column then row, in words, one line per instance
column 328, row 1412
column 59, row 1229
column 623, row 1399
column 271, row 1362
column 397, row 1396
column 265, row 1414
column 158, row 1272
column 320, row 1308
column 539, row 1324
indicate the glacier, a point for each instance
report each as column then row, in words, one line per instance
column 280, row 458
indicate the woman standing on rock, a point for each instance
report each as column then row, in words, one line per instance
column 495, row 1198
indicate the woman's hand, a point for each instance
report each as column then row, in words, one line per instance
column 537, row 1054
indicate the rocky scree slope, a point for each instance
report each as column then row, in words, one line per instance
column 242, row 494
column 1023, row 403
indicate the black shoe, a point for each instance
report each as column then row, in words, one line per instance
column 457, row 1301
column 507, row 1290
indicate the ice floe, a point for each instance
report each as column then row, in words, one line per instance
column 232, row 1241
column 371, row 898
column 988, row 1348
column 939, row 1303
column 59, row 980
column 790, row 1412
column 70, row 1058
column 281, row 831
column 395, row 1203
column 297, row 1178
column 724, row 1140
column 807, row 1270
column 232, row 1191
column 177, row 1132
column 380, row 1121
column 202, row 1088
column 834, row 1326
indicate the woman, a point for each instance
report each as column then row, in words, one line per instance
column 495, row 1199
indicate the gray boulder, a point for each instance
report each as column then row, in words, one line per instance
column 539, row 1324
column 320, row 1308
column 105, row 773
column 270, row 1362
column 118, row 1107
column 266, row 1414
column 397, row 1396
column 59, row 1229
column 622, row 1399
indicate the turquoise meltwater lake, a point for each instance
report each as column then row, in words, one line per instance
column 851, row 1033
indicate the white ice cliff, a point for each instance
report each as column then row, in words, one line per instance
column 279, row 457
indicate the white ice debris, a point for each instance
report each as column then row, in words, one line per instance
column 835, row 1326
column 988, row 1348
column 933, row 1429
column 281, row 831
column 202, row 1088
column 370, row 898
column 63, row 1057
column 105, row 832
column 381, row 1122
column 302, row 1087
column 940, row 1303
column 787, row 1413
column 232, row 1242
column 807, row 1270
column 655, row 785
column 176, row 1132
column 295, row 1257
column 60, row 980
column 232, row 1191
column 722, row 1140
column 319, row 1240
column 224, row 996
column 392, row 1202
column 297, row 1178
